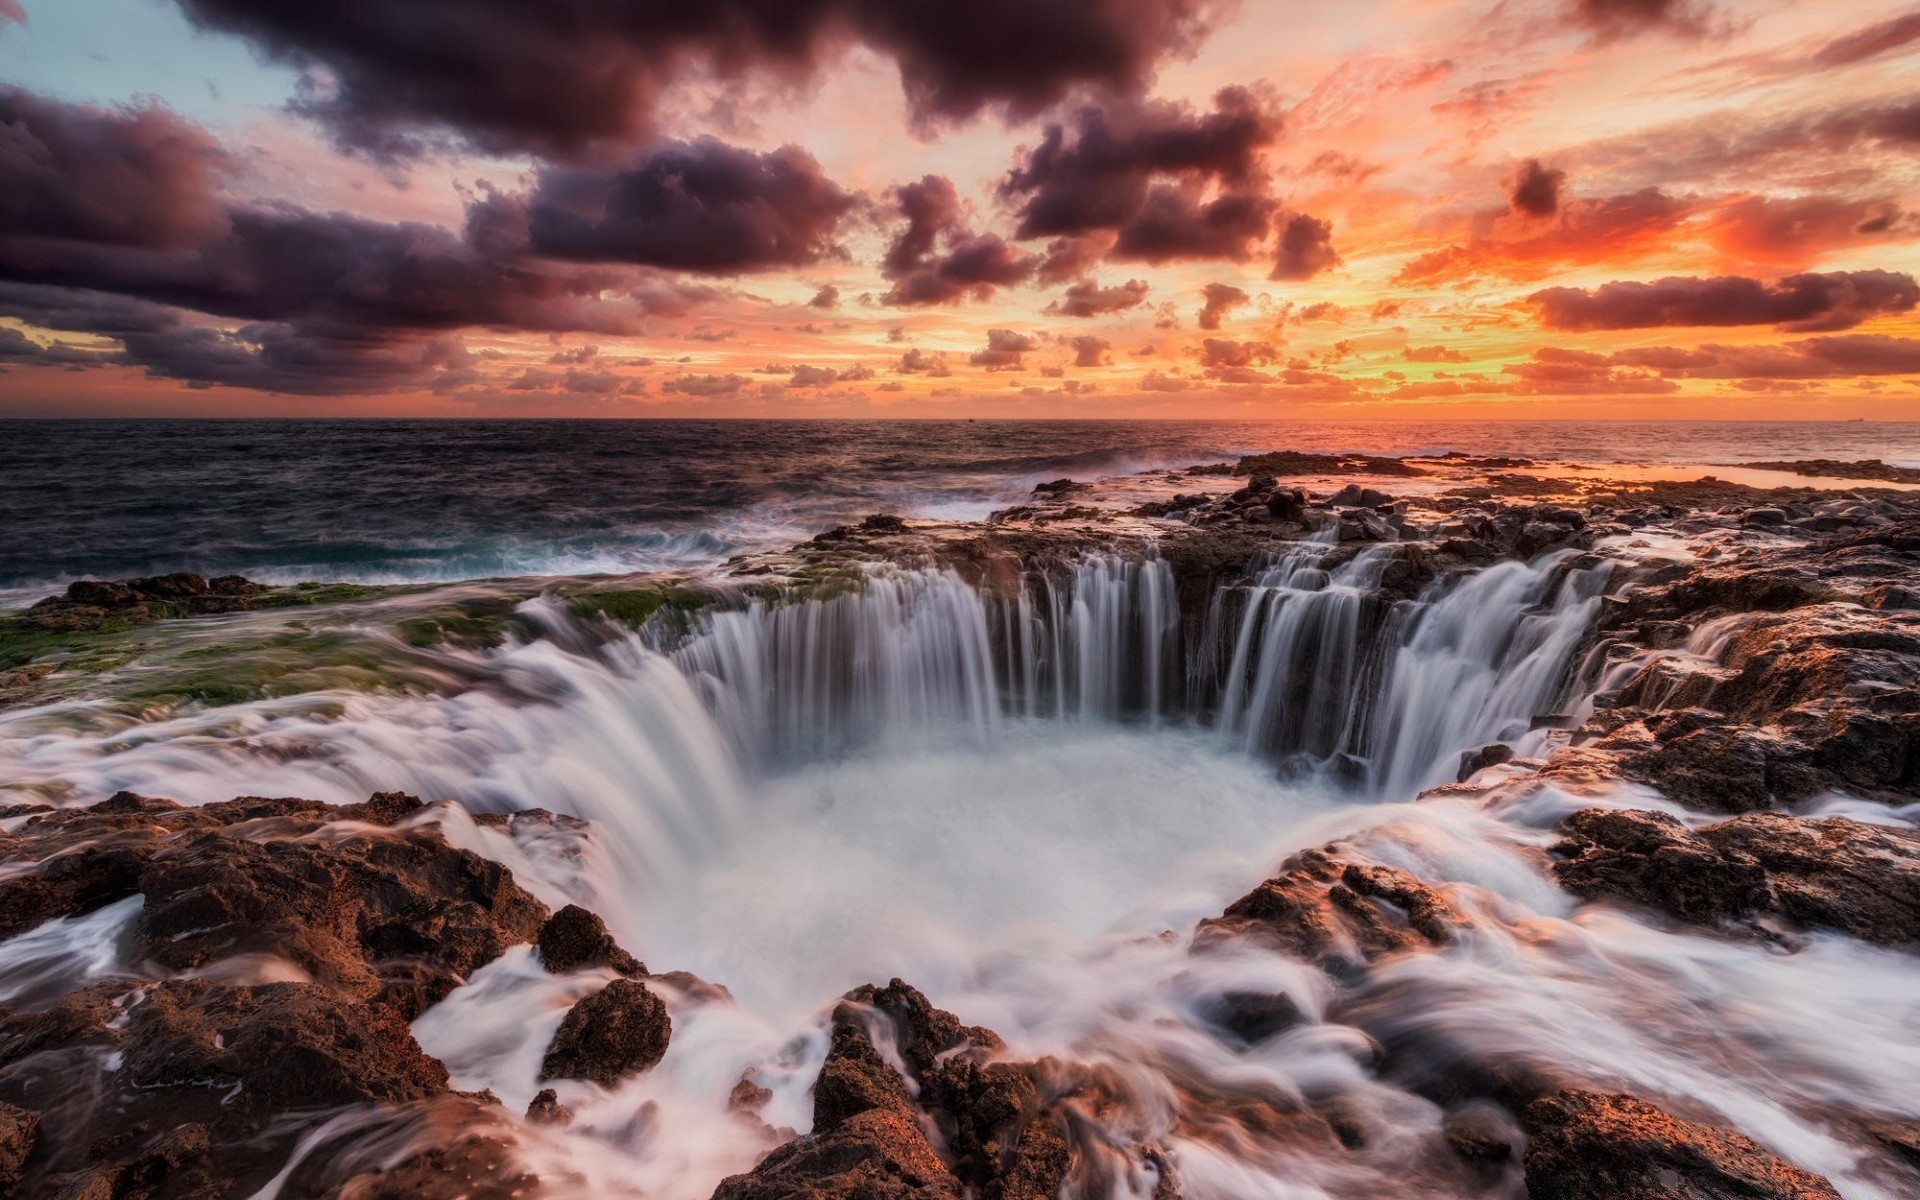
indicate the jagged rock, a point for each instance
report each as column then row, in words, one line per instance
column 1476, row 761
column 1256, row 1016
column 18, row 1130
column 545, row 1109
column 1828, row 873
column 574, row 938
column 1337, row 913
column 1588, row 1146
column 1001, row 1142
column 619, row 1031
column 201, row 1077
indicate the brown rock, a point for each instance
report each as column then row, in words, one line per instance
column 1338, row 913
column 574, row 938
column 546, row 1109
column 1587, row 1146
column 1828, row 873
column 18, row 1127
column 620, row 1030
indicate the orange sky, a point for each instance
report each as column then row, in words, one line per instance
column 1481, row 173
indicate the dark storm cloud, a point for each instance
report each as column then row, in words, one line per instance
column 111, row 220
column 1221, row 298
column 1088, row 299
column 1801, row 303
column 134, row 177
column 124, row 202
column 1175, row 223
column 1306, row 249
column 701, row 206
column 1535, row 190
column 1098, row 173
column 559, row 77
column 936, row 259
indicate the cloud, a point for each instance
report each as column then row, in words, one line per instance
column 1159, row 381
column 1006, row 350
column 818, row 377
column 1167, row 181
column 1814, row 358
column 1535, row 190
column 1608, row 228
column 1091, row 351
column 1088, row 299
column 1434, row 354
column 1800, row 229
column 707, row 386
column 828, row 297
column 917, row 361
column 1799, row 303
column 135, row 177
column 1222, row 352
column 395, row 78
column 701, row 206
column 1176, row 223
column 1883, row 37
column 1306, row 249
column 1221, row 298
column 936, row 259
column 112, row 220
column 1610, row 20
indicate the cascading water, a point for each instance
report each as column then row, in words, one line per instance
column 1008, row 796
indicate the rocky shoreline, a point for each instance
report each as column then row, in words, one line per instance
column 270, row 955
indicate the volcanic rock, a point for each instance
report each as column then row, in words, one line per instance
column 620, row 1031
column 574, row 938
column 1826, row 873
column 1337, row 913
column 1588, row 1146
column 999, row 1140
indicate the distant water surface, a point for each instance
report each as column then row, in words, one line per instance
column 390, row 501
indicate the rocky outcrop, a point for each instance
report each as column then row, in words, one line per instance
column 574, row 938
column 280, row 951
column 1002, row 1134
column 90, row 603
column 1829, row 873
column 1337, row 913
column 1591, row 1146
column 394, row 916
column 620, row 1031
column 1812, row 684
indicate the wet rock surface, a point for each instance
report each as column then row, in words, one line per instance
column 1589, row 1146
column 619, row 1031
column 1827, row 873
column 279, row 951
column 573, row 938
column 1337, row 913
column 1001, row 1134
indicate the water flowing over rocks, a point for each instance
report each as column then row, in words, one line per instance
column 1548, row 665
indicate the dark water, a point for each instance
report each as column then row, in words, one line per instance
column 436, row 500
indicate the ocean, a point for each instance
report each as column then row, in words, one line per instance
column 401, row 501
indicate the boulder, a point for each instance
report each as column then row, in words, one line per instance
column 574, row 938
column 620, row 1031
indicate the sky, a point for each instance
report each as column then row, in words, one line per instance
column 1370, row 209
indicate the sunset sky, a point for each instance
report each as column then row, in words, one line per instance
column 1169, row 208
